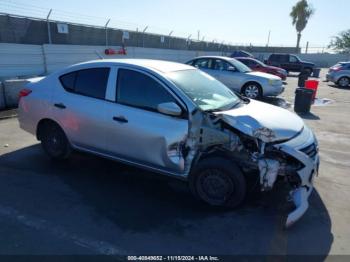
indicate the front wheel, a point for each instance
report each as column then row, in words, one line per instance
column 252, row 90
column 218, row 182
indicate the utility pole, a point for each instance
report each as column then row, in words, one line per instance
column 106, row 31
column 171, row 32
column 307, row 47
column 143, row 36
column 199, row 32
column 268, row 39
column 48, row 26
column 188, row 41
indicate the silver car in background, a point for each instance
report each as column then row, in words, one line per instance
column 339, row 74
column 174, row 120
column 238, row 77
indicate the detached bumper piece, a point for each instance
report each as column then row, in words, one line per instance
column 300, row 198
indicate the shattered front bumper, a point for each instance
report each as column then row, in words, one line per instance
column 303, row 148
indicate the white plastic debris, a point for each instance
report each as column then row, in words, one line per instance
column 268, row 173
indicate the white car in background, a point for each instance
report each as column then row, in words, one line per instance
column 238, row 77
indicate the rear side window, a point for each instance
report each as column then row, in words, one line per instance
column 279, row 58
column 88, row 82
column 68, row 81
column 203, row 63
column 139, row 90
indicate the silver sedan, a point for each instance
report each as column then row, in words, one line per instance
column 175, row 120
column 339, row 74
column 238, row 77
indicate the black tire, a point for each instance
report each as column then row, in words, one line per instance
column 343, row 82
column 309, row 71
column 54, row 141
column 252, row 90
column 218, row 182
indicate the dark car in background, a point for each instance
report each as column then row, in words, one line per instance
column 259, row 66
column 290, row 63
column 241, row 53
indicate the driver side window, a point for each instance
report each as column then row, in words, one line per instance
column 139, row 90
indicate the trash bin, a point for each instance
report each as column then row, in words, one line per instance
column 312, row 85
column 303, row 76
column 303, row 100
column 316, row 72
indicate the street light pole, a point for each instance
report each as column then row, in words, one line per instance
column 268, row 39
column 171, row 32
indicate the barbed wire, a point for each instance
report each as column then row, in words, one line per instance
column 34, row 11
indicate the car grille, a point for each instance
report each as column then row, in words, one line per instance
column 310, row 150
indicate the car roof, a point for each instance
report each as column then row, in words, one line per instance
column 245, row 58
column 215, row 57
column 158, row 65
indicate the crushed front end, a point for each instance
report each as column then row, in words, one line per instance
column 300, row 166
column 258, row 149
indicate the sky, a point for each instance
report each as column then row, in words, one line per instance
column 232, row 21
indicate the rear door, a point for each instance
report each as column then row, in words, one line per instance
column 284, row 62
column 79, row 106
column 137, row 132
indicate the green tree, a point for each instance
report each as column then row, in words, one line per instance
column 341, row 42
column 300, row 15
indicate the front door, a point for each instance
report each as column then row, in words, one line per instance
column 227, row 74
column 137, row 131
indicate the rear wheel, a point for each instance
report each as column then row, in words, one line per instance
column 343, row 81
column 218, row 182
column 54, row 141
column 252, row 90
column 308, row 71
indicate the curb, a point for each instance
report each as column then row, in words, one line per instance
column 8, row 117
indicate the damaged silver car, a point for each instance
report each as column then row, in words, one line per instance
column 175, row 120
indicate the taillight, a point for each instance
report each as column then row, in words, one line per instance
column 24, row 92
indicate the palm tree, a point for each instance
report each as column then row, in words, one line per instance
column 301, row 14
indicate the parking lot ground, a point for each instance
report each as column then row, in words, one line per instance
column 89, row 205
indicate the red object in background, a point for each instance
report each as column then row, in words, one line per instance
column 313, row 85
column 121, row 51
column 258, row 66
column 110, row 51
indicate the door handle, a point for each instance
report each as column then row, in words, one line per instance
column 60, row 106
column 120, row 119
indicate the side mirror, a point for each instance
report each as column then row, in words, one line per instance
column 171, row 109
column 231, row 68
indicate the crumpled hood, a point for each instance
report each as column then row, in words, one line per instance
column 258, row 116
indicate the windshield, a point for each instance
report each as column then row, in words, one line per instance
column 205, row 91
column 240, row 66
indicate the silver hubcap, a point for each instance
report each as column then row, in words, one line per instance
column 344, row 82
column 251, row 91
